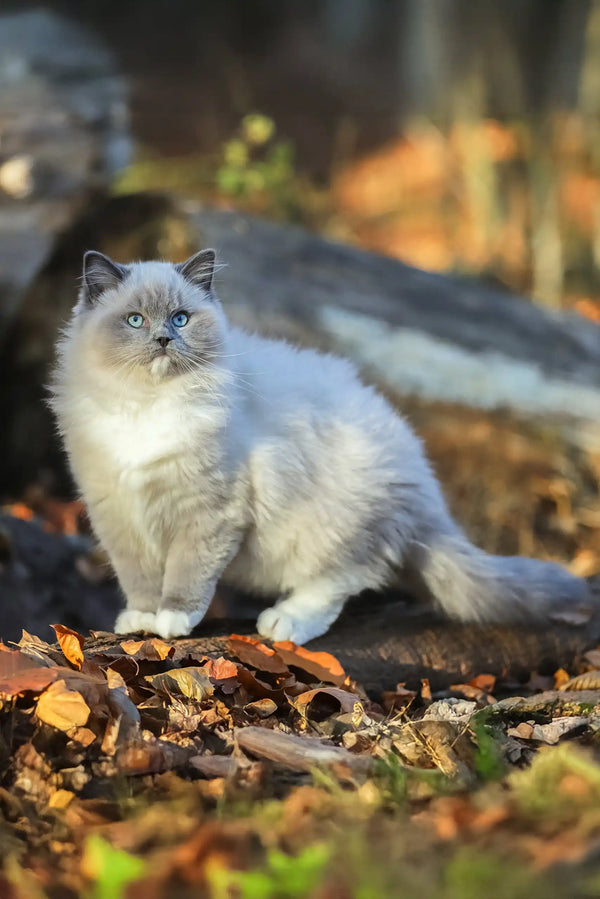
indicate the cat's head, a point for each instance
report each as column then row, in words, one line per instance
column 151, row 318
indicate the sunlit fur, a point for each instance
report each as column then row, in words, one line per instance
column 229, row 457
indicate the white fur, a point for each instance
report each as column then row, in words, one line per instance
column 271, row 468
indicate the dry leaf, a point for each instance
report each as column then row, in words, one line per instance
column 61, row 799
column 252, row 652
column 152, row 650
column 62, row 708
column 325, row 701
column 321, row 665
column 19, row 674
column 194, row 683
column 71, row 644
column 257, row 687
column 262, row 708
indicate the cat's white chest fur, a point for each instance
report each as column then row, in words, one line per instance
column 137, row 440
column 141, row 441
column 135, row 462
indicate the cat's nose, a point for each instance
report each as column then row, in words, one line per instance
column 163, row 341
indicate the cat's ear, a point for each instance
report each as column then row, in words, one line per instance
column 99, row 274
column 199, row 269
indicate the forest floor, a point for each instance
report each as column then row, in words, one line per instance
column 137, row 767
column 140, row 768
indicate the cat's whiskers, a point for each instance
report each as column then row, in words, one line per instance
column 247, row 385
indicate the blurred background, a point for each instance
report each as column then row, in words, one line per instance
column 458, row 137
column 455, row 136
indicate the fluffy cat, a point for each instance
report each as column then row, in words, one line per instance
column 207, row 454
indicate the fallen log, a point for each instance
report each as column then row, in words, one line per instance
column 383, row 642
column 379, row 640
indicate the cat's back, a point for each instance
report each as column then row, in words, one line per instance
column 290, row 376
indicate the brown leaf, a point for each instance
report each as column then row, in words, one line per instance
column 152, row 650
column 425, row 690
column 62, row 708
column 71, row 644
column 40, row 651
column 191, row 682
column 321, row 665
column 262, row 708
column 257, row 687
column 325, row 701
column 19, row 673
column 252, row 652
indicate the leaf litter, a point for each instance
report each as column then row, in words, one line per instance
column 122, row 752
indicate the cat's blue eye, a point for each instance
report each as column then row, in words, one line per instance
column 180, row 319
column 135, row 320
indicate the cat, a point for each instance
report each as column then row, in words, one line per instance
column 206, row 454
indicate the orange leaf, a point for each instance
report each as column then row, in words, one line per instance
column 152, row 650
column 252, row 652
column 220, row 669
column 321, row 665
column 62, row 708
column 485, row 682
column 71, row 644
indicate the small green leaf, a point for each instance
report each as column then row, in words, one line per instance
column 110, row 869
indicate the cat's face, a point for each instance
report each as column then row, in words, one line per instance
column 151, row 318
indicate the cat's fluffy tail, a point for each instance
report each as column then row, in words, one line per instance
column 471, row 585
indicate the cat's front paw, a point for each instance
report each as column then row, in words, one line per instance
column 278, row 624
column 171, row 623
column 132, row 621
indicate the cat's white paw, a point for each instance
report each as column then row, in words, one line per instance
column 173, row 623
column 277, row 624
column 131, row 621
